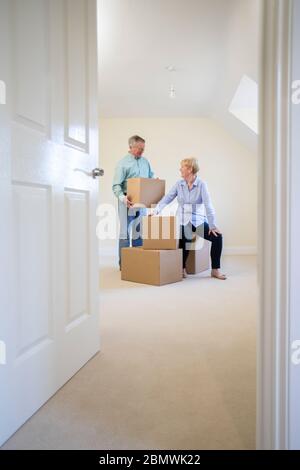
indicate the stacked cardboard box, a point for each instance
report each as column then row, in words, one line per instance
column 160, row 233
column 199, row 256
column 155, row 267
column 159, row 261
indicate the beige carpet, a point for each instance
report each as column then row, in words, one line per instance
column 176, row 371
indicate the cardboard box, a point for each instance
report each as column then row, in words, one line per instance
column 199, row 257
column 160, row 233
column 155, row 267
column 145, row 192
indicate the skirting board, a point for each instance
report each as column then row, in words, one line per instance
column 112, row 250
column 240, row 250
column 108, row 252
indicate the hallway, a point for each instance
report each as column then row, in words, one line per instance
column 176, row 370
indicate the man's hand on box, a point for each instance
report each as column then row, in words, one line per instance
column 127, row 202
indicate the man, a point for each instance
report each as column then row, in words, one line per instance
column 133, row 165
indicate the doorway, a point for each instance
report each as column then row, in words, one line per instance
column 189, row 350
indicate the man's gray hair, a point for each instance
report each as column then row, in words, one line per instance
column 134, row 140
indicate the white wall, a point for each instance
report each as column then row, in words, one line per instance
column 227, row 167
column 240, row 57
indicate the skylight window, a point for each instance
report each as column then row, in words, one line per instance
column 244, row 105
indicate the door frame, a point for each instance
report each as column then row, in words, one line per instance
column 274, row 225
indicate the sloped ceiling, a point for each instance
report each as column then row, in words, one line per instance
column 211, row 43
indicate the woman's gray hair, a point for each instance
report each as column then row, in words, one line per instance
column 134, row 140
column 191, row 163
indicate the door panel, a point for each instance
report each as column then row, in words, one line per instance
column 48, row 144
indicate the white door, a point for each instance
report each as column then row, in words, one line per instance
column 48, row 247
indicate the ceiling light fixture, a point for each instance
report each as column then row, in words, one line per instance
column 172, row 93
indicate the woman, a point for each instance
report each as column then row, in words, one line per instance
column 191, row 193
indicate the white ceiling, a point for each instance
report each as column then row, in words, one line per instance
column 212, row 44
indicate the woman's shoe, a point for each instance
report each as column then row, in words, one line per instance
column 184, row 274
column 217, row 274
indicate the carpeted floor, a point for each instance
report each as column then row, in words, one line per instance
column 176, row 369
